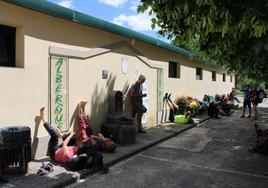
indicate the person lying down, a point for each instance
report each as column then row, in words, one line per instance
column 71, row 156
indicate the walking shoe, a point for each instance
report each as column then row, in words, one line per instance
column 242, row 116
column 248, row 116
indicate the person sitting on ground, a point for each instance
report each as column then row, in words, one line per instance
column 207, row 99
column 225, row 108
column 212, row 110
column 232, row 95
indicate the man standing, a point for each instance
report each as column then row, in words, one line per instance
column 247, row 101
column 136, row 101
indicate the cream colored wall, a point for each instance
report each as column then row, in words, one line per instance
column 90, row 86
column 24, row 90
column 188, row 85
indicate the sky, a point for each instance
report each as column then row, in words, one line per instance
column 120, row 12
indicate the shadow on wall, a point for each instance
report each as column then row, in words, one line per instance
column 99, row 104
column 74, row 122
column 127, row 102
column 37, row 121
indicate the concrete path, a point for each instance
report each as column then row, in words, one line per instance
column 214, row 154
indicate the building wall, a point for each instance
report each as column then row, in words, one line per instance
column 24, row 89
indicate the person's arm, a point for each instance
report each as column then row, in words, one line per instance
column 134, row 91
column 65, row 143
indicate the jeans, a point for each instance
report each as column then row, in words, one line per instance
column 53, row 141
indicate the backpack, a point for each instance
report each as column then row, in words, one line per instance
column 260, row 95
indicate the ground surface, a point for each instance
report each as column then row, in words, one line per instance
column 214, row 154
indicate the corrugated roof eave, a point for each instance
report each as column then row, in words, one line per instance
column 78, row 17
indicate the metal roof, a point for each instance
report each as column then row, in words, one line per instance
column 52, row 9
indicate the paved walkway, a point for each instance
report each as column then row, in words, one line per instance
column 61, row 177
column 213, row 154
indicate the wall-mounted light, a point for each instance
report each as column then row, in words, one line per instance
column 104, row 74
column 124, row 65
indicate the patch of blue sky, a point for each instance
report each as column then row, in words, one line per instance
column 120, row 12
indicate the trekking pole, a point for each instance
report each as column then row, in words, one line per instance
column 163, row 110
column 166, row 104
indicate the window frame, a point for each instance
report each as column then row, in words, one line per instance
column 174, row 69
column 9, row 34
column 224, row 77
column 199, row 73
column 214, row 76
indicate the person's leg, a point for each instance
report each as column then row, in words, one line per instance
column 216, row 112
column 254, row 111
column 235, row 98
column 249, row 109
column 53, row 132
column 244, row 108
column 140, row 111
column 53, row 141
column 82, row 130
column 139, row 119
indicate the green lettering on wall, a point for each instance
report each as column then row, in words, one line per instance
column 58, row 119
column 58, row 94
column 58, row 89
column 58, row 78
column 59, row 99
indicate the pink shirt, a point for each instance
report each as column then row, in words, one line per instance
column 59, row 154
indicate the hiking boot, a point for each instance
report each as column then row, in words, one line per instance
column 242, row 116
column 248, row 116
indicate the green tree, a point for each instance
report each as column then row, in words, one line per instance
column 231, row 33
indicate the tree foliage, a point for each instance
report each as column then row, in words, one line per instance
column 232, row 33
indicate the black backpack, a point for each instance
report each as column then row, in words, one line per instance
column 261, row 95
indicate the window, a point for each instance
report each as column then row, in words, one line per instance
column 174, row 70
column 7, row 46
column 223, row 77
column 214, row 76
column 199, row 73
column 231, row 78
